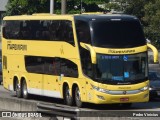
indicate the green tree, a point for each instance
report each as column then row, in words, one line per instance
column 148, row 11
column 136, row 7
column 17, row 7
column 152, row 21
column 117, row 5
column 113, row 6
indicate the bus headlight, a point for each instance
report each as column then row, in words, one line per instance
column 99, row 89
column 145, row 88
column 151, row 88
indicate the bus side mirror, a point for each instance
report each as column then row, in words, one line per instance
column 155, row 52
column 92, row 51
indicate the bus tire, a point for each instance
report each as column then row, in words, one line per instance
column 68, row 99
column 18, row 90
column 77, row 98
column 24, row 90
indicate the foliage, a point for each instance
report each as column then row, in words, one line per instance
column 17, row 7
column 148, row 11
column 74, row 6
column 135, row 7
column 113, row 6
column 152, row 20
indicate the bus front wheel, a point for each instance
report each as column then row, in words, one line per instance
column 68, row 98
column 78, row 97
column 24, row 90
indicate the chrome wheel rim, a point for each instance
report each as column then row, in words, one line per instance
column 25, row 89
column 78, row 96
column 67, row 94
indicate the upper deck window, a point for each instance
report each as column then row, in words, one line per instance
column 83, row 31
column 45, row 30
column 117, row 33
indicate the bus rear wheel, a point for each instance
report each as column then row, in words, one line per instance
column 78, row 98
column 24, row 90
column 67, row 96
column 18, row 89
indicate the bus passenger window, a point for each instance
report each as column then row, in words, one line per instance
column 45, row 30
column 25, row 33
column 69, row 33
column 83, row 32
column 81, row 36
column 34, row 64
column 69, row 68
column 86, row 62
column 11, row 29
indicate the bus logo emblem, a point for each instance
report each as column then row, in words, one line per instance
column 124, row 92
column 125, row 58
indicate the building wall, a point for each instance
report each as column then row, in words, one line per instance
column 1, row 16
column 3, row 4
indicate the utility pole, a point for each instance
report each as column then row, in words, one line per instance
column 81, row 7
column 51, row 6
column 63, row 6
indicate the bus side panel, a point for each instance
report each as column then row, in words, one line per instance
column 34, row 83
column 50, row 86
column 14, row 64
column 7, row 81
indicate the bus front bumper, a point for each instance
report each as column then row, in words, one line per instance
column 103, row 98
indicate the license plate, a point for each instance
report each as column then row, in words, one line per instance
column 124, row 99
column 158, row 92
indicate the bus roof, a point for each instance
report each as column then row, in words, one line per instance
column 86, row 17
column 39, row 17
column 105, row 16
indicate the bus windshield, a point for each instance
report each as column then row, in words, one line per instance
column 121, row 68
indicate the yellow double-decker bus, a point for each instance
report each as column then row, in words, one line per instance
column 100, row 59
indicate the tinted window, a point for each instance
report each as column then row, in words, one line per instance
column 117, row 34
column 48, row 30
column 4, row 62
column 87, row 66
column 68, row 68
column 83, row 31
column 11, row 29
column 34, row 64
column 51, row 66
